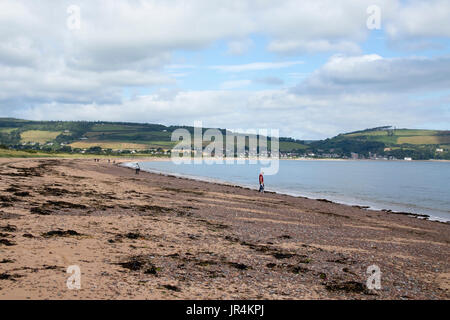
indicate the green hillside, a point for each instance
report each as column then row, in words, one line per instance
column 389, row 142
column 73, row 136
column 118, row 137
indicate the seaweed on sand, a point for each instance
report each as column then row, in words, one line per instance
column 138, row 263
column 60, row 233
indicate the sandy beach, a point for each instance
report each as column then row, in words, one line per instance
column 151, row 236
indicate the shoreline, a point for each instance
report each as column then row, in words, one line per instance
column 24, row 155
column 151, row 236
column 423, row 216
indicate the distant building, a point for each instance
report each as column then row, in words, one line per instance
column 408, row 159
column 439, row 150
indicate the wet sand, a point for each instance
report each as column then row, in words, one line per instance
column 151, row 236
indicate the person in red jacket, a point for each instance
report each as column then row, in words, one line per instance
column 261, row 182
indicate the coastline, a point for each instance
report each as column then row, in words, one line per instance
column 151, row 236
column 128, row 164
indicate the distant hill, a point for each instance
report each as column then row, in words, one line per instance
column 389, row 142
column 74, row 135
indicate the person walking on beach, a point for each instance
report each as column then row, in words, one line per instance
column 261, row 182
column 138, row 168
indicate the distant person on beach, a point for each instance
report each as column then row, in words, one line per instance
column 261, row 182
column 138, row 168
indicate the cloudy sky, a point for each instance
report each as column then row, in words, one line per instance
column 312, row 69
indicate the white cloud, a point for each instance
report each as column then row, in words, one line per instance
column 269, row 80
column 180, row 66
column 429, row 18
column 235, row 84
column 239, row 47
column 256, row 66
column 20, row 52
column 345, row 94
column 309, row 116
column 50, row 72
column 239, row 84
column 295, row 46
column 22, row 86
column 143, row 34
column 373, row 73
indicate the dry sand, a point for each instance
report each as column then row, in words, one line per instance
column 151, row 236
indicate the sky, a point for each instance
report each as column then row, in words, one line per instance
column 312, row 69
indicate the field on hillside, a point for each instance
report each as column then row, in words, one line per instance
column 7, row 153
column 109, row 145
column 111, row 127
column 114, row 145
column 39, row 136
column 7, row 130
column 396, row 132
column 288, row 146
column 404, row 136
column 424, row 140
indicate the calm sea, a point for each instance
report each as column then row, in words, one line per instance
column 413, row 186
